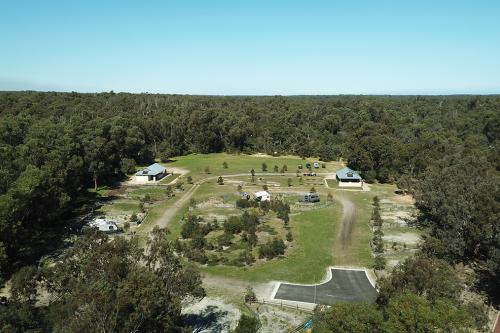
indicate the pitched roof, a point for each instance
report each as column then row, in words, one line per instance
column 151, row 170
column 347, row 173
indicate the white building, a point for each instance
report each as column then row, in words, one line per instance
column 104, row 225
column 262, row 196
column 152, row 173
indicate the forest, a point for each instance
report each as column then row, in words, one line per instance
column 442, row 149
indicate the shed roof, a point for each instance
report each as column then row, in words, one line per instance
column 347, row 173
column 151, row 170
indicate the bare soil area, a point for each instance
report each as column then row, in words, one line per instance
column 348, row 220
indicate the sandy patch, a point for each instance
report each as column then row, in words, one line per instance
column 405, row 237
column 211, row 315
column 404, row 199
column 275, row 319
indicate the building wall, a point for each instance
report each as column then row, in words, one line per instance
column 141, row 179
column 351, row 184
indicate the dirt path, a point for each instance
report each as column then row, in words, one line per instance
column 170, row 212
column 348, row 220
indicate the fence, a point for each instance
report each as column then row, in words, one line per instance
column 284, row 305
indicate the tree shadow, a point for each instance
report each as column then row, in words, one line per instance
column 210, row 319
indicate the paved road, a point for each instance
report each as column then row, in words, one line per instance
column 350, row 286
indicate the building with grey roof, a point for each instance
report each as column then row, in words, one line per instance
column 152, row 173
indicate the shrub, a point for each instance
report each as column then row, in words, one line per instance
column 276, row 168
column 189, row 179
column 207, row 170
column 243, row 203
column 247, row 324
column 379, row 263
column 250, row 295
column 233, row 225
column 272, row 248
column 169, row 192
column 191, row 227
column 290, row 182
column 133, row 217
column 220, row 181
column 264, row 167
column 224, row 165
column 289, row 236
column 225, row 239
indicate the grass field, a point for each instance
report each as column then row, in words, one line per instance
column 242, row 163
column 315, row 229
column 314, row 233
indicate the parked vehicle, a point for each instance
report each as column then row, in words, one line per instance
column 310, row 197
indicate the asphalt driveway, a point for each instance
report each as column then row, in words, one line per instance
column 350, row 286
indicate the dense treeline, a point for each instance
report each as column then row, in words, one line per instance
column 100, row 285
column 55, row 145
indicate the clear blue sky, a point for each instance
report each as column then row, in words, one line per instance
column 251, row 47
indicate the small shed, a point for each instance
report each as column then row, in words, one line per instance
column 346, row 177
column 262, row 196
column 152, row 173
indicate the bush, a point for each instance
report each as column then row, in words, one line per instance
column 225, row 239
column 379, row 263
column 169, row 192
column 272, row 248
column 243, row 203
column 133, row 217
column 220, row 181
column 250, row 295
column 189, row 179
column 224, row 165
column 247, row 324
column 191, row 227
column 264, row 167
column 233, row 225
column 289, row 236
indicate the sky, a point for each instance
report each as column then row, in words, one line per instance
column 259, row 47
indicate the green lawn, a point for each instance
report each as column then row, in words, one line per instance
column 241, row 164
column 314, row 234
